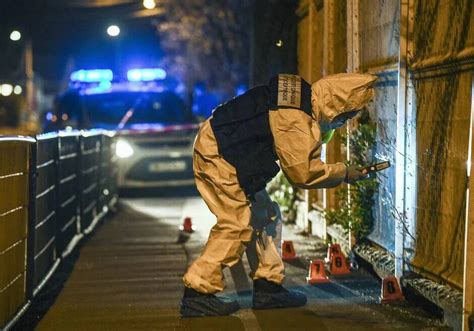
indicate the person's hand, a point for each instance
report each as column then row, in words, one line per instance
column 264, row 211
column 353, row 175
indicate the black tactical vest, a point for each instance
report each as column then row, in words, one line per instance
column 242, row 129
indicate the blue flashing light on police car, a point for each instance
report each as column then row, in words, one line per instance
column 92, row 76
column 146, row 74
column 102, row 87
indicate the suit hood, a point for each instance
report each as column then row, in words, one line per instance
column 341, row 93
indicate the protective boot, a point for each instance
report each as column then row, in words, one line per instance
column 195, row 304
column 269, row 295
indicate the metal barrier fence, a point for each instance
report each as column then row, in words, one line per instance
column 14, row 220
column 53, row 190
column 89, row 179
column 68, row 194
column 46, row 218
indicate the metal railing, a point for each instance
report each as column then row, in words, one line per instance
column 54, row 189
column 15, row 220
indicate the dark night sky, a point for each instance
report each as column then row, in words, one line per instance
column 73, row 32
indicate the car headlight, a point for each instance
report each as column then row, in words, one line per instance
column 123, row 149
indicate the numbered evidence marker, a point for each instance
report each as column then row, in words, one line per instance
column 185, row 230
column 288, row 250
column 317, row 273
column 339, row 265
column 375, row 168
column 332, row 249
column 391, row 291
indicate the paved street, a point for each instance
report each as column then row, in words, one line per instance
column 128, row 276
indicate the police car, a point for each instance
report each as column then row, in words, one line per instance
column 156, row 130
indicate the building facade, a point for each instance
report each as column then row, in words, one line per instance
column 423, row 54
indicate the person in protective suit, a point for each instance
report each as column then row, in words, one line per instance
column 237, row 151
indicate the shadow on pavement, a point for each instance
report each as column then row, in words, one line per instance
column 241, row 279
column 228, row 323
column 289, row 319
column 331, row 290
column 298, row 263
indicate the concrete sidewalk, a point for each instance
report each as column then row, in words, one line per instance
column 128, row 277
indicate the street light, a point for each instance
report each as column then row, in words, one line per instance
column 113, row 30
column 149, row 4
column 6, row 90
column 15, row 35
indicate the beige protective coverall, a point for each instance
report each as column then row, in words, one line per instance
column 297, row 139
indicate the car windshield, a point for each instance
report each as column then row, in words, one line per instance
column 148, row 108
